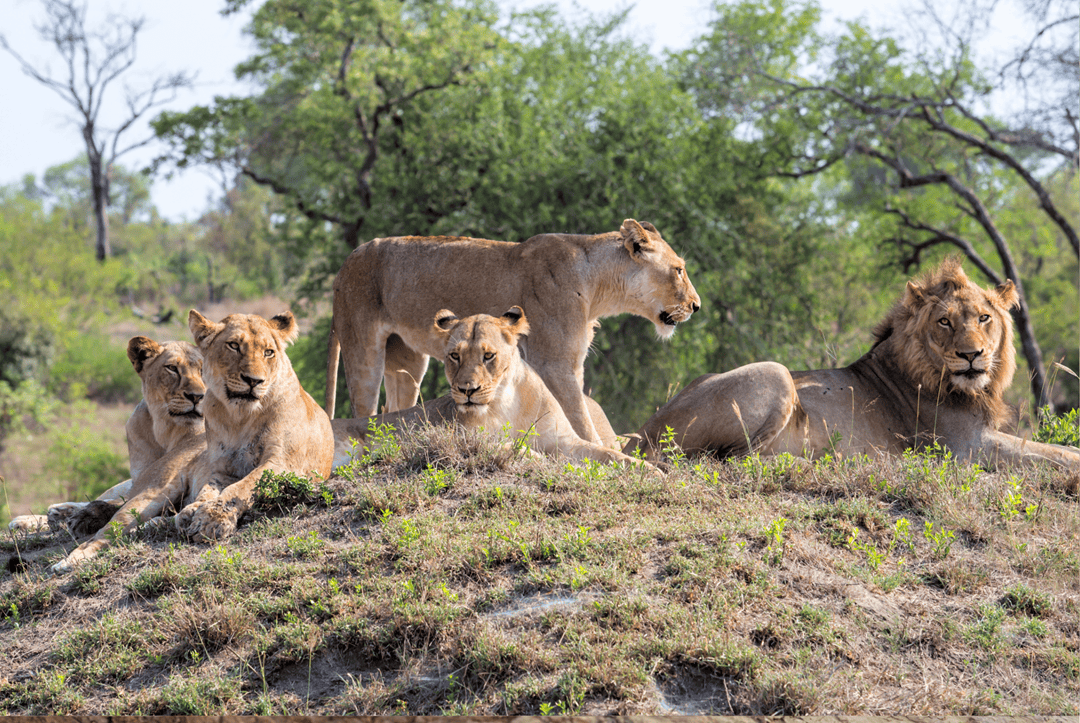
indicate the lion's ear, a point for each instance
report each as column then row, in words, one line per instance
column 201, row 327
column 285, row 325
column 1007, row 296
column 914, row 296
column 634, row 237
column 445, row 321
column 518, row 324
column 140, row 350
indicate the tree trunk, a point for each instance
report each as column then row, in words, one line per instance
column 99, row 192
column 1032, row 353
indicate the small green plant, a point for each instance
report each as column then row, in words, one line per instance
column 774, row 537
column 589, row 471
column 874, row 557
column 986, row 631
column 1010, row 503
column 670, row 449
column 578, row 542
column 279, row 491
column 1023, row 600
column 381, row 442
column 1058, row 428
column 942, row 539
column 436, row 480
column 902, row 535
column 306, row 546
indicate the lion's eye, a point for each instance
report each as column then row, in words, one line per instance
column 984, row 318
column 234, row 346
column 488, row 355
column 944, row 322
column 679, row 272
column 268, row 353
column 454, row 356
column 172, row 368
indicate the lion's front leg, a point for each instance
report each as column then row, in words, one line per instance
column 567, row 391
column 206, row 489
column 216, row 517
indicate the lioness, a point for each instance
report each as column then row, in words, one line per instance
column 491, row 386
column 942, row 358
column 258, row 418
column 389, row 288
column 165, row 426
column 164, row 434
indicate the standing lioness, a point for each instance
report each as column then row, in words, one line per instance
column 389, row 289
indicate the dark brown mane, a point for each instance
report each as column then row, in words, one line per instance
column 899, row 337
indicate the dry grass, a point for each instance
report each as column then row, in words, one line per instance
column 449, row 574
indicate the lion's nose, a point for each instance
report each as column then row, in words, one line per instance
column 969, row 356
column 251, row 381
column 467, row 391
column 695, row 306
column 193, row 398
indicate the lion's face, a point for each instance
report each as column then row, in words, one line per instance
column 244, row 356
column 479, row 351
column 961, row 333
column 172, row 379
column 660, row 286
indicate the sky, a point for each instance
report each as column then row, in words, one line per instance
column 37, row 128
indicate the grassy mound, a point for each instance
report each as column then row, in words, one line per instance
column 451, row 574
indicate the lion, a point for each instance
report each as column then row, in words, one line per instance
column 164, row 431
column 492, row 387
column 941, row 360
column 257, row 416
column 388, row 289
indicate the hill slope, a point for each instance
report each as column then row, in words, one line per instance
column 448, row 575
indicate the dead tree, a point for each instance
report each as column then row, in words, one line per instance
column 93, row 59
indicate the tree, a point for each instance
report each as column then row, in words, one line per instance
column 914, row 128
column 336, row 77
column 93, row 60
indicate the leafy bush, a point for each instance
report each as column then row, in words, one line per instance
column 81, row 461
column 91, row 366
column 1059, row 428
column 280, row 491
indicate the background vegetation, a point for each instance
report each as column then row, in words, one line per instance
column 775, row 157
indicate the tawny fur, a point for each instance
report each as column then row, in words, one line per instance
column 941, row 360
column 388, row 289
column 491, row 387
column 258, row 418
column 164, row 433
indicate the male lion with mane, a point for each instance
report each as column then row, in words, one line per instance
column 941, row 360
column 258, row 418
column 491, row 386
column 389, row 288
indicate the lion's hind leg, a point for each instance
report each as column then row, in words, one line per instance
column 405, row 368
column 147, row 505
column 738, row 411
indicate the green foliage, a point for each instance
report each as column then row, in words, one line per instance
column 1023, row 600
column 80, row 461
column 280, row 491
column 1059, row 428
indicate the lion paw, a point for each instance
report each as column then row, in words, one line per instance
column 29, row 523
column 61, row 513
column 92, row 517
column 207, row 522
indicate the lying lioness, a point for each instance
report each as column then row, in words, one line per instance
column 491, row 386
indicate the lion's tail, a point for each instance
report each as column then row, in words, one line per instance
column 333, row 350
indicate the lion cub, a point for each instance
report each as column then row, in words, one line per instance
column 491, row 386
